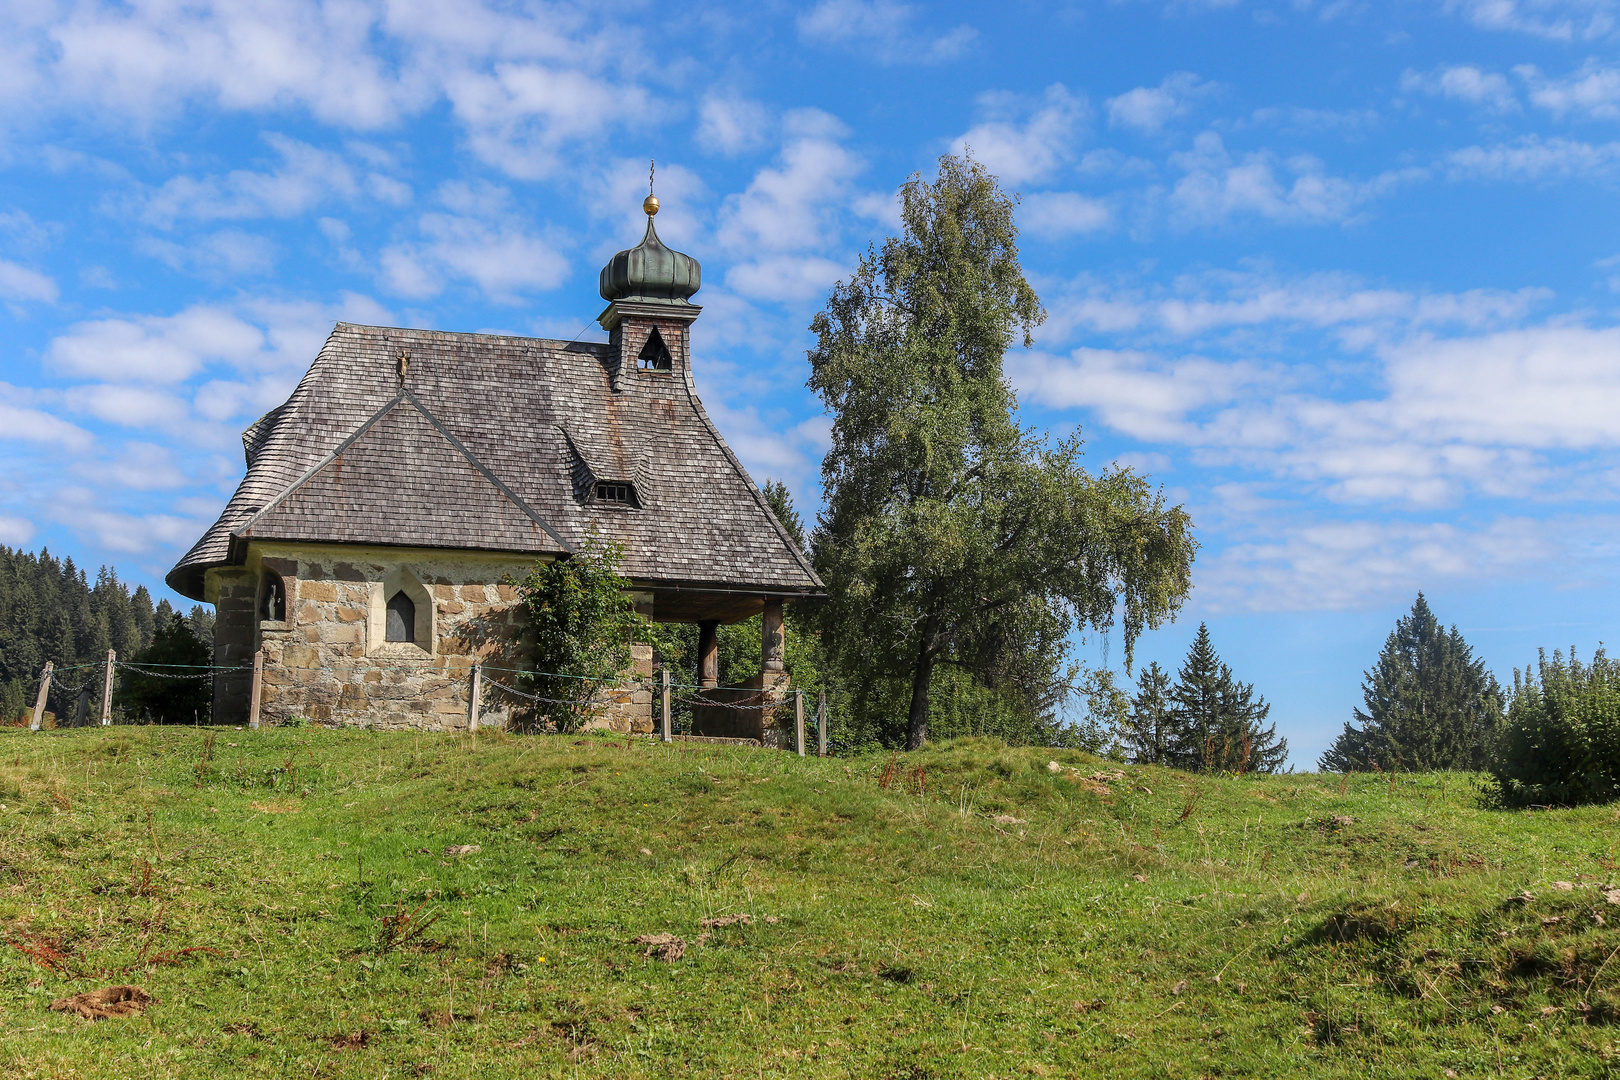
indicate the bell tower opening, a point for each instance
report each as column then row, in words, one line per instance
column 654, row 355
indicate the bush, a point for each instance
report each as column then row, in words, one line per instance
column 582, row 623
column 1561, row 742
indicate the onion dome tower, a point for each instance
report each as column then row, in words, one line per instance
column 650, row 312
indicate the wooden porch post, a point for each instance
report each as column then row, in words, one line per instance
column 708, row 654
column 772, row 651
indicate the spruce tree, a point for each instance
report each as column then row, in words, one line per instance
column 1216, row 720
column 1150, row 724
column 1430, row 704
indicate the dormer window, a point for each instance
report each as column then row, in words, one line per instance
column 617, row 493
column 654, row 355
column 401, row 618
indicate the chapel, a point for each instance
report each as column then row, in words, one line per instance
column 365, row 559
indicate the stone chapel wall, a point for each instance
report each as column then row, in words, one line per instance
column 327, row 661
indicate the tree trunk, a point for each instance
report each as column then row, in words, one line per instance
column 917, row 722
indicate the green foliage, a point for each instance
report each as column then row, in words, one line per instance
column 1561, row 742
column 1430, row 704
column 1214, row 721
column 173, row 694
column 1149, row 729
column 781, row 504
column 581, row 624
column 951, row 535
column 49, row 610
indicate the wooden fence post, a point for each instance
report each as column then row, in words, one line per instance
column 473, row 695
column 44, row 689
column 81, row 708
column 821, row 724
column 798, row 721
column 669, row 736
column 258, row 685
column 106, row 690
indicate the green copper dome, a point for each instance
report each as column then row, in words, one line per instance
column 651, row 272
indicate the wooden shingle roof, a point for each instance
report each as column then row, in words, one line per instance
column 494, row 443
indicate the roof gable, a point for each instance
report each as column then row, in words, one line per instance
column 402, row 479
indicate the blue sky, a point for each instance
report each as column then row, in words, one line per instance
column 1343, row 276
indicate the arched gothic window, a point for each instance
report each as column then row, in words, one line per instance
column 655, row 354
column 401, row 618
column 274, row 606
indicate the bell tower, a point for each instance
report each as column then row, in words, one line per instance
column 649, row 314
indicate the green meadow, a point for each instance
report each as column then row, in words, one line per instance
column 315, row 903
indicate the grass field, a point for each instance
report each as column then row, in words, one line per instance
column 286, row 898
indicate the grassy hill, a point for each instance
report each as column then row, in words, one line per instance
column 287, row 899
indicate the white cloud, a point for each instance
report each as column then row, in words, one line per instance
column 20, row 283
column 1217, row 300
column 137, row 466
column 150, row 56
column 785, row 277
column 155, row 348
column 23, row 424
column 1021, row 141
column 15, row 531
column 86, row 513
column 1592, row 91
column 521, row 118
column 262, row 337
column 1131, row 391
column 1560, row 20
column 1466, row 83
column 132, row 406
column 883, row 28
column 1149, row 108
column 1426, row 396
column 481, row 241
column 792, row 204
column 222, row 256
column 730, row 125
column 1534, row 158
column 1058, row 214
column 526, row 83
column 1339, row 565
column 1540, row 387
column 308, row 177
column 1297, row 190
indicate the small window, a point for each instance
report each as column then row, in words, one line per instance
column 621, row 494
column 401, row 618
column 274, row 606
column 655, row 354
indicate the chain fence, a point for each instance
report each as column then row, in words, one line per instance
column 666, row 696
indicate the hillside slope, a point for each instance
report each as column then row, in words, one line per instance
column 287, row 899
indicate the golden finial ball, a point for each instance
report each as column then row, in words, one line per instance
column 650, row 204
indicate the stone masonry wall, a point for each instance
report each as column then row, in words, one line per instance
column 327, row 663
